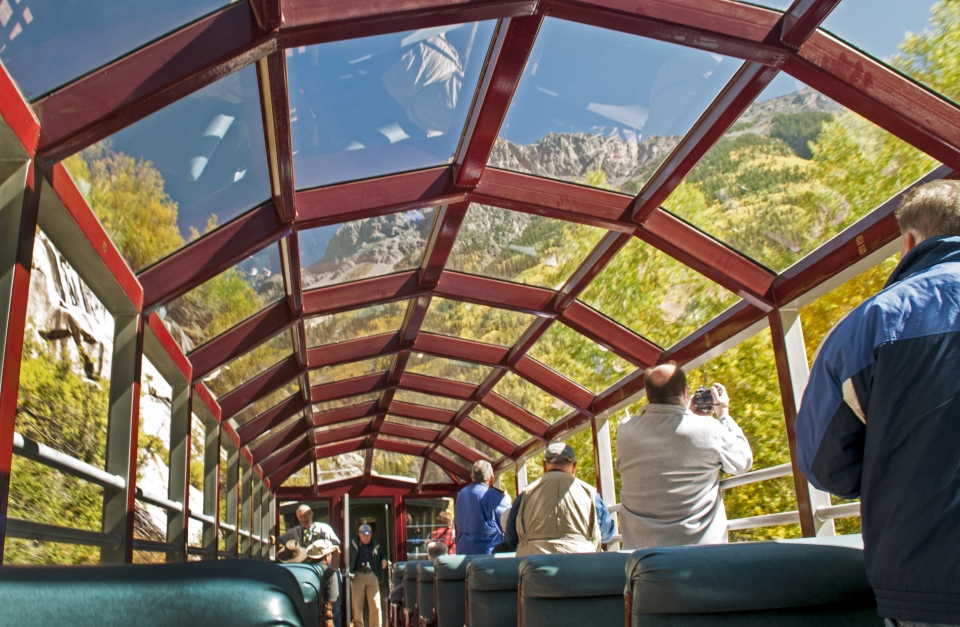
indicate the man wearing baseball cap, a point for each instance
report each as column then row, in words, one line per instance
column 369, row 564
column 558, row 513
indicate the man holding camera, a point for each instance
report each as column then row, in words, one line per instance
column 670, row 458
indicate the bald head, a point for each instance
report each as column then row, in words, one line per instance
column 304, row 515
column 665, row 384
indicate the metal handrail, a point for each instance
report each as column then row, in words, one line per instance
column 29, row 530
column 195, row 550
column 231, row 528
column 210, row 520
column 831, row 512
column 767, row 520
column 159, row 501
column 756, row 476
column 32, row 450
column 153, row 546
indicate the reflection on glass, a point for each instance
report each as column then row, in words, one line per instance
column 364, row 249
column 396, row 464
column 342, row 466
column 795, row 170
column 270, row 400
column 299, row 479
column 579, row 359
column 435, row 474
column 48, row 44
column 604, row 108
column 475, row 322
column 264, row 436
column 447, row 368
column 227, row 299
column 498, row 425
column 465, row 438
column 379, row 105
column 345, row 423
column 914, row 37
column 355, row 324
column 248, row 366
column 527, row 395
column 419, row 398
column 179, row 173
column 655, row 295
column 463, row 461
column 346, row 402
column 402, row 420
column 520, row 247
column 341, row 372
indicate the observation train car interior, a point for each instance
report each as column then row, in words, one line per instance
column 269, row 267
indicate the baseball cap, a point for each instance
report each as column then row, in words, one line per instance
column 365, row 528
column 560, row 452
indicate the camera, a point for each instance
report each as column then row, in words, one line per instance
column 703, row 400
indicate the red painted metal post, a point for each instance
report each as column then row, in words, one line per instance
column 18, row 223
column 400, row 526
column 178, row 486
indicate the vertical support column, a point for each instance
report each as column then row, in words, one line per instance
column 603, row 449
column 274, row 527
column 19, row 206
column 246, row 508
column 211, row 487
column 122, row 431
column 255, row 519
column 178, row 486
column 265, row 531
column 521, row 477
column 793, row 372
column 232, row 543
column 400, row 528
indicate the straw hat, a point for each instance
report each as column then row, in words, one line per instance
column 293, row 553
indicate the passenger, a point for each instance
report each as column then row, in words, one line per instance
column 880, row 417
column 477, row 513
column 369, row 565
column 558, row 513
column 308, row 531
column 670, row 458
column 435, row 550
column 329, row 583
column 445, row 532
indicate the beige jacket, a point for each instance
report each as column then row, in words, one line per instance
column 557, row 515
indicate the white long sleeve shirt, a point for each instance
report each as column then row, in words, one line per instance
column 670, row 461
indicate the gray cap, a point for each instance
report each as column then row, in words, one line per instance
column 559, row 452
column 365, row 528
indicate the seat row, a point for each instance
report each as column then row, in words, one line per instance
column 790, row 583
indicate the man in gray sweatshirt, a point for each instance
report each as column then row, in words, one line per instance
column 670, row 459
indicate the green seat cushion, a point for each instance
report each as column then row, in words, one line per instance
column 425, row 590
column 410, row 584
column 492, row 591
column 576, row 589
column 449, row 575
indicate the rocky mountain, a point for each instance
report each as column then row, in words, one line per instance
column 758, row 118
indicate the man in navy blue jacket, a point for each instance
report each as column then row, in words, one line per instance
column 880, row 418
column 477, row 513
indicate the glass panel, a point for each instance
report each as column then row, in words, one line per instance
column 278, row 429
column 346, row 402
column 912, row 36
column 447, row 368
column 179, row 173
column 419, row 398
column 465, row 438
column 153, row 443
column 396, row 464
column 779, row 5
column 579, row 359
column 354, row 324
column 227, row 299
column 299, row 479
column 248, row 366
column 364, row 249
column 475, row 322
column 342, row 466
column 604, row 108
column 48, row 44
column 347, row 423
column 435, row 474
column 379, row 105
column 267, row 402
column 463, row 461
column 498, row 425
column 397, row 438
column 655, row 295
column 402, row 420
column 527, row 395
column 351, row 370
column 521, row 247
column 794, row 171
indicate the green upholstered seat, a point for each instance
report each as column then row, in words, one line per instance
column 201, row 594
column 308, row 576
column 398, row 573
column 449, row 580
column 410, row 590
column 769, row 584
column 492, row 591
column 425, row 592
column 574, row 589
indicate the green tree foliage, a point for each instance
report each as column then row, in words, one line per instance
column 798, row 130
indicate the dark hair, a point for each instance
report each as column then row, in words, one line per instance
column 660, row 391
column 931, row 210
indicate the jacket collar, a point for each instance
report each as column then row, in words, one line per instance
column 664, row 409
column 926, row 254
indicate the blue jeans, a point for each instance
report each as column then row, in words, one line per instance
column 902, row 623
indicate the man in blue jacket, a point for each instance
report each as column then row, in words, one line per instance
column 880, row 418
column 477, row 513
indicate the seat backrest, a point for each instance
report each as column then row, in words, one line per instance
column 449, row 580
column 200, row 594
column 774, row 584
column 492, row 591
column 425, row 590
column 309, row 577
column 573, row 589
column 398, row 574
column 410, row 584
